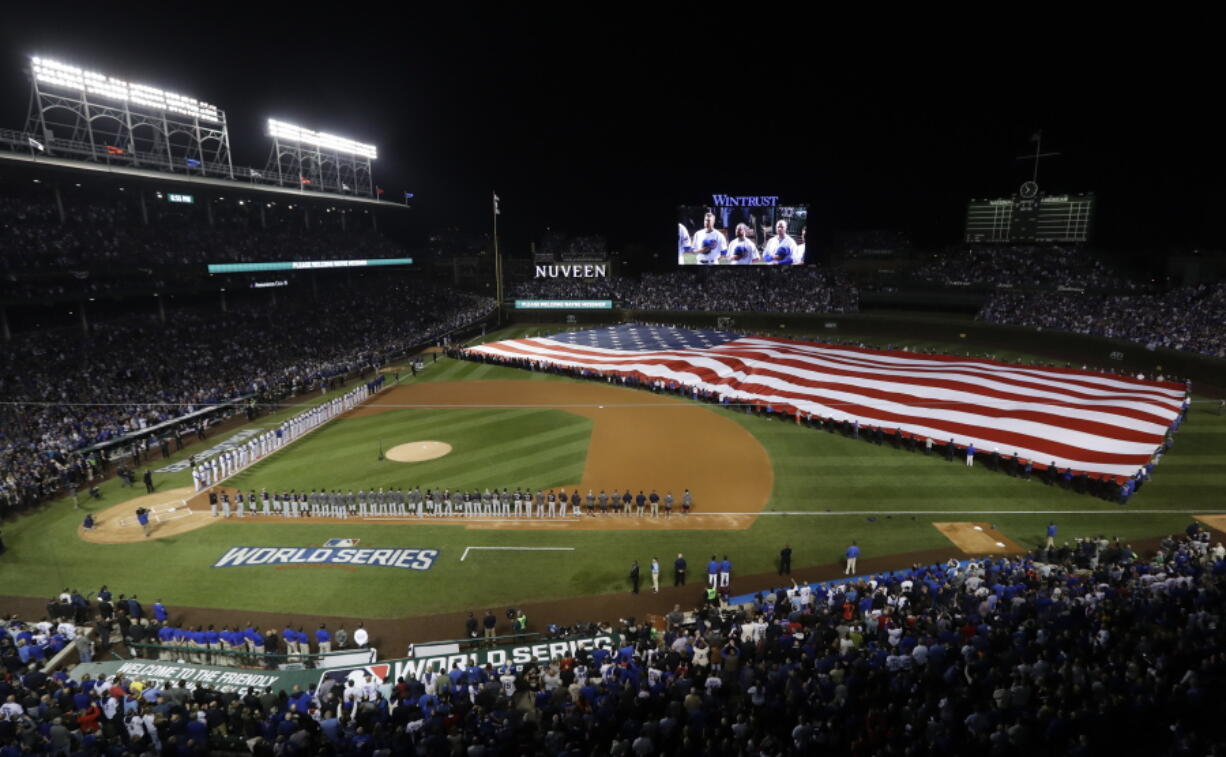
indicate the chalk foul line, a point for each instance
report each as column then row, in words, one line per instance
column 464, row 556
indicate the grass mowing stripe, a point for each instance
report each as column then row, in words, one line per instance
column 514, row 454
column 543, row 461
column 448, row 371
column 480, row 372
column 563, row 475
column 408, row 422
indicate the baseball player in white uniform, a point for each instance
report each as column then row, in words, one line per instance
column 683, row 243
column 780, row 249
column 800, row 251
column 709, row 243
column 742, row 250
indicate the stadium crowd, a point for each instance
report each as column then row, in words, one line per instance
column 95, row 627
column 1022, row 266
column 1189, row 318
column 66, row 392
column 1072, row 650
column 794, row 289
column 94, row 236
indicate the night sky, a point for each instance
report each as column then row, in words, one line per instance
column 603, row 121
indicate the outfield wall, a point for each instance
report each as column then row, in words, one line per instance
column 881, row 328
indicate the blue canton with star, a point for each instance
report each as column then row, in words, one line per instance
column 635, row 338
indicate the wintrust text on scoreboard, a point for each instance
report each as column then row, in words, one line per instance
column 751, row 201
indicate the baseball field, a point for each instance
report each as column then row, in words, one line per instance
column 757, row 485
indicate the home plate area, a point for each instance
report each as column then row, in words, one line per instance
column 160, row 514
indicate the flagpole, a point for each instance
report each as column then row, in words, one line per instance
column 1038, row 148
column 497, row 259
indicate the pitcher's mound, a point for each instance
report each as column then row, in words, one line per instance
column 415, row 452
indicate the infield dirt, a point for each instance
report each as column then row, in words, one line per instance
column 172, row 512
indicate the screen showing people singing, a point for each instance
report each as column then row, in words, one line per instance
column 742, row 230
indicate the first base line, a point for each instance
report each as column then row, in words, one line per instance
column 464, row 556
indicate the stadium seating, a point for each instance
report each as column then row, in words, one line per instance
column 130, row 374
column 1189, row 318
column 1023, row 266
column 796, row 289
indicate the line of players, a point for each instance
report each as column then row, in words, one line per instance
column 442, row 503
column 231, row 461
column 709, row 245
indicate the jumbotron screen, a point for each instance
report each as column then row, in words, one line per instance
column 742, row 230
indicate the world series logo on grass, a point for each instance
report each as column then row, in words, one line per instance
column 405, row 558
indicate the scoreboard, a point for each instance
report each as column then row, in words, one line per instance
column 1029, row 217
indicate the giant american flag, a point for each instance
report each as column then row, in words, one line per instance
column 1093, row 422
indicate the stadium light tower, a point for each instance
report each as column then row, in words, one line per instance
column 88, row 115
column 317, row 161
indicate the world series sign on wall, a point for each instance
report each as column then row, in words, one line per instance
column 515, row 656
column 226, row 679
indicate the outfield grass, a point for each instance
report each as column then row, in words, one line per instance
column 815, row 472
